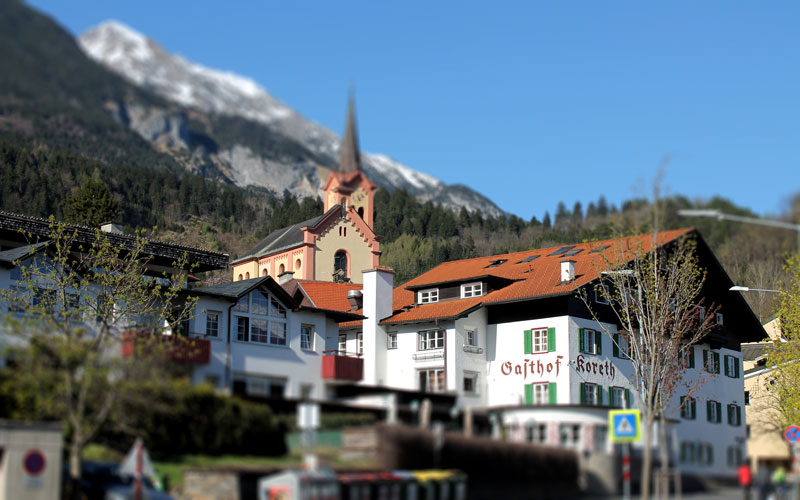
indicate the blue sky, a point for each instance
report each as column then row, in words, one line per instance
column 530, row 103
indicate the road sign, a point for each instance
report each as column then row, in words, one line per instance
column 34, row 462
column 792, row 434
column 624, row 426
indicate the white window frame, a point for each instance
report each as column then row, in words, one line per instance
column 589, row 347
column 474, row 377
column 360, row 342
column 440, row 387
column 273, row 316
column 590, row 394
column 598, row 295
column 541, row 393
column 719, row 318
column 612, row 397
column 391, row 341
column 730, row 366
column 216, row 315
column 570, row 434
column 713, row 415
column 307, row 337
column 471, row 290
column 341, row 345
column 430, row 340
column 538, row 432
column 428, row 296
column 538, row 340
column 471, row 336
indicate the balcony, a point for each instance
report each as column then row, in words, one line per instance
column 428, row 355
column 473, row 349
column 192, row 350
column 339, row 365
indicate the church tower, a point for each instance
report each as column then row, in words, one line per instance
column 347, row 184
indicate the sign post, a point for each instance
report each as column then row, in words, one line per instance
column 792, row 436
column 625, row 428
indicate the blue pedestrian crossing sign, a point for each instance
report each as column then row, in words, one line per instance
column 624, row 426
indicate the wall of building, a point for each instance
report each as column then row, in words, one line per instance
column 250, row 266
column 766, row 441
column 342, row 236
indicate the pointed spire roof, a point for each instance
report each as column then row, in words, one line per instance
column 349, row 156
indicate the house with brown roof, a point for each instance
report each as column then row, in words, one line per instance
column 334, row 246
column 507, row 336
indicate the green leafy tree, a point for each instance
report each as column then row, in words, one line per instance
column 71, row 308
column 92, row 204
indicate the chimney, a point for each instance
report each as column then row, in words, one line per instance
column 377, row 302
column 567, row 270
column 355, row 297
column 111, row 228
column 285, row 277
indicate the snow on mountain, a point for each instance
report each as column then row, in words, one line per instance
column 145, row 63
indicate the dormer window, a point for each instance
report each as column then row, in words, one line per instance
column 428, row 296
column 471, row 290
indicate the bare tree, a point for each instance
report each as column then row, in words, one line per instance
column 71, row 307
column 653, row 288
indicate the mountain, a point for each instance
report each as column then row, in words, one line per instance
column 255, row 139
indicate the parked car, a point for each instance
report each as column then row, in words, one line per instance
column 102, row 481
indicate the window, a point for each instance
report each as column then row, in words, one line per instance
column 539, row 338
column 686, row 356
column 44, row 300
column 719, row 320
column 734, row 415
column 471, row 290
column 620, row 346
column 600, row 437
column 242, row 328
column 428, row 296
column 600, row 294
column 212, row 323
column 272, row 387
column 590, row 341
column 591, row 394
column 688, row 453
column 747, row 398
column 16, row 273
column 713, row 410
column 536, row 433
column 731, row 366
column 307, row 337
column 688, row 408
column 472, row 337
column 432, row 380
column 735, row 456
column 342, row 343
column 541, row 395
column 711, row 361
column 616, row 397
column 470, row 382
column 705, row 453
column 265, row 317
column 701, row 313
column 360, row 340
column 562, row 250
column 569, row 435
column 431, row 339
column 392, row 341
column 340, row 263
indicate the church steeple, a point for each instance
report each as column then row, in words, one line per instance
column 349, row 155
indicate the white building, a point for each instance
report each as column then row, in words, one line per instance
column 508, row 336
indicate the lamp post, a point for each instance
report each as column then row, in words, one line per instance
column 716, row 214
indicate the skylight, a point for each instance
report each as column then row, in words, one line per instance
column 563, row 250
column 574, row 252
column 600, row 249
column 528, row 259
column 495, row 263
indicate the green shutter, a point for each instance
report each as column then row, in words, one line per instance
column 628, row 398
column 551, row 393
column 716, row 361
column 684, row 408
column 528, row 342
column 610, row 396
column 708, row 411
column 528, row 393
column 580, row 340
column 598, row 343
column 694, row 408
column 719, row 412
column 736, row 369
column 599, row 391
column 551, row 339
column 705, row 361
column 615, row 346
column 730, row 414
column 580, row 392
column 727, row 374
column 738, row 415
column 691, row 356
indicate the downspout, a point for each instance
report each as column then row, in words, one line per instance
column 228, row 353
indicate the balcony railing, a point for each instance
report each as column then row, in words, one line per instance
column 473, row 348
column 340, row 365
column 178, row 348
column 426, row 355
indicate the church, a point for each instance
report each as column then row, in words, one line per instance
column 335, row 246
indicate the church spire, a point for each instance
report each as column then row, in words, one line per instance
column 349, row 156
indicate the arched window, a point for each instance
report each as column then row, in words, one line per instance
column 361, row 212
column 264, row 273
column 240, row 278
column 297, row 265
column 281, row 269
column 340, row 263
column 247, row 275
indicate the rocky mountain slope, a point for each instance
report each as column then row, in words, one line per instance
column 233, row 127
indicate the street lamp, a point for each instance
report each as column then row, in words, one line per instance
column 716, row 214
column 737, row 288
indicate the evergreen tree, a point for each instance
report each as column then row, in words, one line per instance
column 546, row 221
column 92, row 205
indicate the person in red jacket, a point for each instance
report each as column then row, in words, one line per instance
column 745, row 478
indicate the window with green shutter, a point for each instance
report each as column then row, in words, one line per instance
column 580, row 392
column 598, row 343
column 551, row 340
column 528, row 342
column 628, row 399
column 528, row 393
column 691, row 356
column 551, row 393
column 599, row 391
column 615, row 346
column 580, row 340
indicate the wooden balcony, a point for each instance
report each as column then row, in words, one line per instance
column 179, row 348
column 337, row 365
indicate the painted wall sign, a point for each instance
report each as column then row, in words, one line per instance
column 532, row 367
column 584, row 365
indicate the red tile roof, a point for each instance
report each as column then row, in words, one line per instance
column 327, row 295
column 540, row 277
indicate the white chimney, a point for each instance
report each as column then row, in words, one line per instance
column 285, row 277
column 567, row 270
column 111, row 228
column 378, row 285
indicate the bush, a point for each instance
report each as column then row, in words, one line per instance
column 177, row 419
